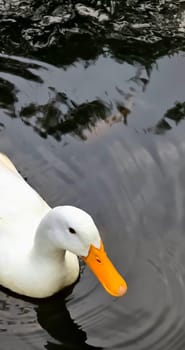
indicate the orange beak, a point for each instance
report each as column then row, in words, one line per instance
column 104, row 270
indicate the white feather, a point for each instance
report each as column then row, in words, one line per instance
column 38, row 254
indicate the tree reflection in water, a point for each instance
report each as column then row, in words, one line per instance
column 64, row 32
column 48, row 119
column 176, row 114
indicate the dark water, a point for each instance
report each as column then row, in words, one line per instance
column 92, row 110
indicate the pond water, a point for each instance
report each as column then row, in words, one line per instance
column 92, row 110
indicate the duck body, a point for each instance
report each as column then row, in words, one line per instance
column 39, row 245
column 21, row 269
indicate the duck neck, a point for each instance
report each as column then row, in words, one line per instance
column 45, row 244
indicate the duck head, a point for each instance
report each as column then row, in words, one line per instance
column 76, row 232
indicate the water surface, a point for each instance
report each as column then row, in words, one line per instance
column 97, row 120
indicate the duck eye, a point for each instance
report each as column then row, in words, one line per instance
column 71, row 230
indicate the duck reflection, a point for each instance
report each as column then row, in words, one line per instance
column 54, row 317
column 28, row 315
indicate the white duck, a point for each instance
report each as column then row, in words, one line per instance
column 39, row 245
